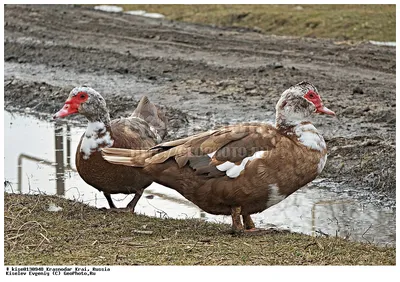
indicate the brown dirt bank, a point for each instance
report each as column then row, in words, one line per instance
column 205, row 77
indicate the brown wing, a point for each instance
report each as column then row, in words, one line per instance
column 205, row 151
column 179, row 149
column 157, row 154
column 246, row 140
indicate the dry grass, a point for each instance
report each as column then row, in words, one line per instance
column 342, row 22
column 83, row 235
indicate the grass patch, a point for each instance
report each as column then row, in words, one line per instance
column 82, row 235
column 341, row 22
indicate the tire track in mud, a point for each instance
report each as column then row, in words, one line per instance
column 251, row 44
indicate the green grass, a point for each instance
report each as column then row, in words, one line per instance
column 341, row 22
column 83, row 235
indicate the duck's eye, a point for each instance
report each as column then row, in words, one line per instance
column 311, row 95
column 82, row 95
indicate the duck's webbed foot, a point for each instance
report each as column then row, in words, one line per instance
column 109, row 200
column 129, row 208
column 250, row 228
column 248, row 222
column 116, row 209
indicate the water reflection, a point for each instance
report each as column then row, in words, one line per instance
column 32, row 144
column 59, row 165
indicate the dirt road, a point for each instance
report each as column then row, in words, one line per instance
column 206, row 76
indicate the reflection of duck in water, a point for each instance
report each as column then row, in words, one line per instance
column 143, row 129
column 242, row 169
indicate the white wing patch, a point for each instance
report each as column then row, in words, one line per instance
column 91, row 139
column 211, row 155
column 308, row 135
column 225, row 166
column 232, row 170
column 274, row 195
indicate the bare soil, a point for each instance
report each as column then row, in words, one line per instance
column 205, row 76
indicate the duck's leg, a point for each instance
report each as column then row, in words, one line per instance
column 237, row 226
column 250, row 226
column 113, row 208
column 132, row 204
column 109, row 200
column 248, row 222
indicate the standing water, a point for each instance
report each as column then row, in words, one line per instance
column 40, row 158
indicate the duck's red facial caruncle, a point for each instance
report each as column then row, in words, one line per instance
column 72, row 105
column 314, row 98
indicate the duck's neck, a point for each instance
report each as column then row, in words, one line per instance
column 97, row 135
column 102, row 117
column 288, row 117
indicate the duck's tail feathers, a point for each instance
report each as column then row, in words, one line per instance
column 152, row 115
column 126, row 157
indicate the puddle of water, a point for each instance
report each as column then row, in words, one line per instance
column 380, row 43
column 32, row 147
column 109, row 8
column 117, row 9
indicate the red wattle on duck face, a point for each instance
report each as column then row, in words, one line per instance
column 316, row 100
column 68, row 109
column 72, row 105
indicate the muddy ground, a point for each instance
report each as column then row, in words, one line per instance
column 205, row 76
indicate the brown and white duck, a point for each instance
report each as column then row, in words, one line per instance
column 142, row 130
column 242, row 169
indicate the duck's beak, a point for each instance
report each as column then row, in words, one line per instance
column 68, row 109
column 324, row 110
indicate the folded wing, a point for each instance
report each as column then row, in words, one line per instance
column 213, row 153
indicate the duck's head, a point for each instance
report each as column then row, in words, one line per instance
column 299, row 103
column 86, row 101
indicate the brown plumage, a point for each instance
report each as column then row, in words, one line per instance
column 142, row 130
column 241, row 169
